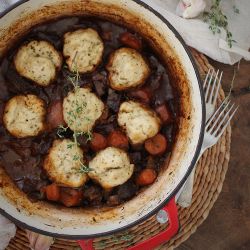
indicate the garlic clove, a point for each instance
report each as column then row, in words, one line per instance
column 7, row 232
column 190, row 8
column 39, row 241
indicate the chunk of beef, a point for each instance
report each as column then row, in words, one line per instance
column 127, row 190
column 113, row 100
column 93, row 194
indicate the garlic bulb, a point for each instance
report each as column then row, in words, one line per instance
column 39, row 241
column 7, row 232
column 190, row 8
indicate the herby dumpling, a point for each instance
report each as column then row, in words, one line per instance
column 38, row 61
column 63, row 164
column 139, row 122
column 24, row 116
column 81, row 109
column 127, row 69
column 83, row 50
column 111, row 167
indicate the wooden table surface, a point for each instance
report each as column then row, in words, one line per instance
column 228, row 224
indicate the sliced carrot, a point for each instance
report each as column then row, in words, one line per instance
column 147, row 176
column 55, row 114
column 156, row 145
column 71, row 197
column 164, row 113
column 98, row 142
column 118, row 139
column 52, row 192
column 131, row 40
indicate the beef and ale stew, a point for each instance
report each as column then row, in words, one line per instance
column 89, row 113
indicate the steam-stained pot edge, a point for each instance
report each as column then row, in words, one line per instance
column 187, row 132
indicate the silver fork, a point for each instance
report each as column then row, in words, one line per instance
column 211, row 88
column 218, row 123
column 215, row 127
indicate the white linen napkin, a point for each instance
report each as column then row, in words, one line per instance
column 197, row 34
column 7, row 232
column 4, row 4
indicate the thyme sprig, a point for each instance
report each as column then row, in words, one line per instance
column 217, row 20
column 74, row 116
column 84, row 169
column 125, row 237
column 60, row 130
column 236, row 70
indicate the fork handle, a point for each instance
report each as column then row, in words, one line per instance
column 185, row 198
column 186, row 192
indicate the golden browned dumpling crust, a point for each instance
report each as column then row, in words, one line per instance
column 139, row 122
column 63, row 164
column 111, row 167
column 81, row 109
column 24, row 116
column 38, row 61
column 83, row 50
column 127, row 69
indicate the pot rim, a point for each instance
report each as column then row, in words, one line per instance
column 189, row 169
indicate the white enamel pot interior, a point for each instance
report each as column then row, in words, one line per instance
column 89, row 223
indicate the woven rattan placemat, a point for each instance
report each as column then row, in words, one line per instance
column 209, row 178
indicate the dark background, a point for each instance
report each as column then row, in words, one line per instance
column 228, row 224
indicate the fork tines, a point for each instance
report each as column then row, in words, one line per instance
column 221, row 118
column 212, row 85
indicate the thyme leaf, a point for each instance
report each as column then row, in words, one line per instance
column 61, row 129
column 76, row 157
column 74, row 116
column 236, row 10
column 88, row 135
column 70, row 145
column 84, row 169
column 125, row 237
column 217, row 20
